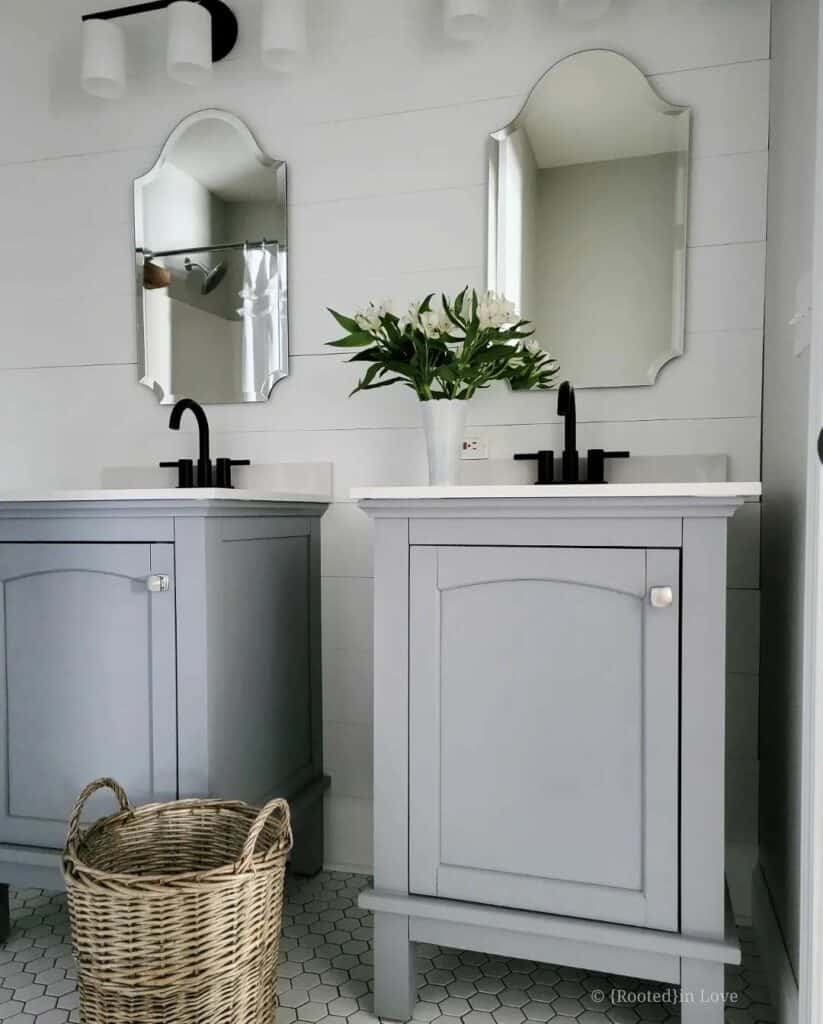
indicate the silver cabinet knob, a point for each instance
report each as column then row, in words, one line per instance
column 661, row 597
column 157, row 584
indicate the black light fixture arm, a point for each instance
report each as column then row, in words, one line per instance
column 224, row 27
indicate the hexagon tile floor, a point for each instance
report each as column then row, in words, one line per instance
column 325, row 973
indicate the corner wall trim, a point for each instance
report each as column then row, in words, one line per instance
column 782, row 982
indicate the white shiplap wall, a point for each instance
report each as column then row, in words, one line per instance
column 384, row 132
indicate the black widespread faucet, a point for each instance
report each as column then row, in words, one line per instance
column 570, row 461
column 204, row 460
column 206, row 476
column 567, row 408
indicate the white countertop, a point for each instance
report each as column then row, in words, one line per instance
column 164, row 494
column 644, row 490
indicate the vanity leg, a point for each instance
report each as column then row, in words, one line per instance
column 395, row 990
column 5, row 920
column 702, row 988
column 307, row 854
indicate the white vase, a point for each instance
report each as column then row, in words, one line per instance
column 443, row 423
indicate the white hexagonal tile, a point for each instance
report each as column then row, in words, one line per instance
column 567, row 1007
column 354, row 989
column 53, row 1017
column 312, row 1012
column 570, row 989
column 508, row 1015
column 453, row 1006
column 342, row 1007
column 590, row 1017
column 334, row 977
column 478, row 1017
column 461, row 989
column 425, row 1011
column 294, row 997
column 484, row 1001
column 513, row 997
column 538, row 1011
column 622, row 1015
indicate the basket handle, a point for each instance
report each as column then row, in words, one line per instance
column 73, row 833
column 246, row 861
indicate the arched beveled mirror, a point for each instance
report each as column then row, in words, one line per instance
column 211, row 248
column 588, row 199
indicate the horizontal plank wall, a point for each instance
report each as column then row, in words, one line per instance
column 384, row 132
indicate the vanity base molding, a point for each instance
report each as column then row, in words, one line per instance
column 402, row 920
column 549, row 749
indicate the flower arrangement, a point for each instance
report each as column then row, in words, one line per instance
column 447, row 352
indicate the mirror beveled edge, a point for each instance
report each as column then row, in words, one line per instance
column 248, row 137
column 495, row 280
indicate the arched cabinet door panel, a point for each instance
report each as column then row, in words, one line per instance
column 87, row 681
column 544, row 730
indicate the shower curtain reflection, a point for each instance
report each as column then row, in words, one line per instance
column 261, row 315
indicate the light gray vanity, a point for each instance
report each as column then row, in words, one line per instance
column 549, row 730
column 171, row 640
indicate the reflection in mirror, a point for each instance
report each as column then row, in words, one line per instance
column 587, row 219
column 210, row 232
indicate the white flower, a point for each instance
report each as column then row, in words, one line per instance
column 369, row 318
column 533, row 347
column 432, row 322
column 495, row 310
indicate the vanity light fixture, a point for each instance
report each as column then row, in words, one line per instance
column 284, row 34
column 200, row 32
column 467, row 21
column 104, row 59
column 188, row 48
column 583, row 10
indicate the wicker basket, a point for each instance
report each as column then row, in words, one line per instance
column 176, row 910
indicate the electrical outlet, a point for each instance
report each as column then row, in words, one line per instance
column 475, row 448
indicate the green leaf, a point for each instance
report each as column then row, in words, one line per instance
column 380, row 384
column 355, row 340
column 346, row 322
column 368, row 355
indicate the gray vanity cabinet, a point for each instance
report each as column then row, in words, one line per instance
column 172, row 643
column 543, row 730
column 549, row 699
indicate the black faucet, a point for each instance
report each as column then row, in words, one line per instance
column 567, row 408
column 205, row 473
column 204, row 460
column 570, row 461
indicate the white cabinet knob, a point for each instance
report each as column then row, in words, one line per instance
column 661, row 597
column 157, row 584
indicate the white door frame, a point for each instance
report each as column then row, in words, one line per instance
column 811, row 864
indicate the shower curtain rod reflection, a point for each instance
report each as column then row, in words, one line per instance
column 150, row 253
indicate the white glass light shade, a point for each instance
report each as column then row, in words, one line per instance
column 466, row 20
column 284, row 34
column 584, row 10
column 188, row 57
column 104, row 59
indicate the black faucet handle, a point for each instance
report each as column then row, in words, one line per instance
column 185, row 471
column 595, row 464
column 223, row 478
column 545, row 464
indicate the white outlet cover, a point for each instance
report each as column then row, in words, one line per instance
column 474, row 448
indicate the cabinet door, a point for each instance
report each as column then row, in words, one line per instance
column 544, row 730
column 87, row 681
